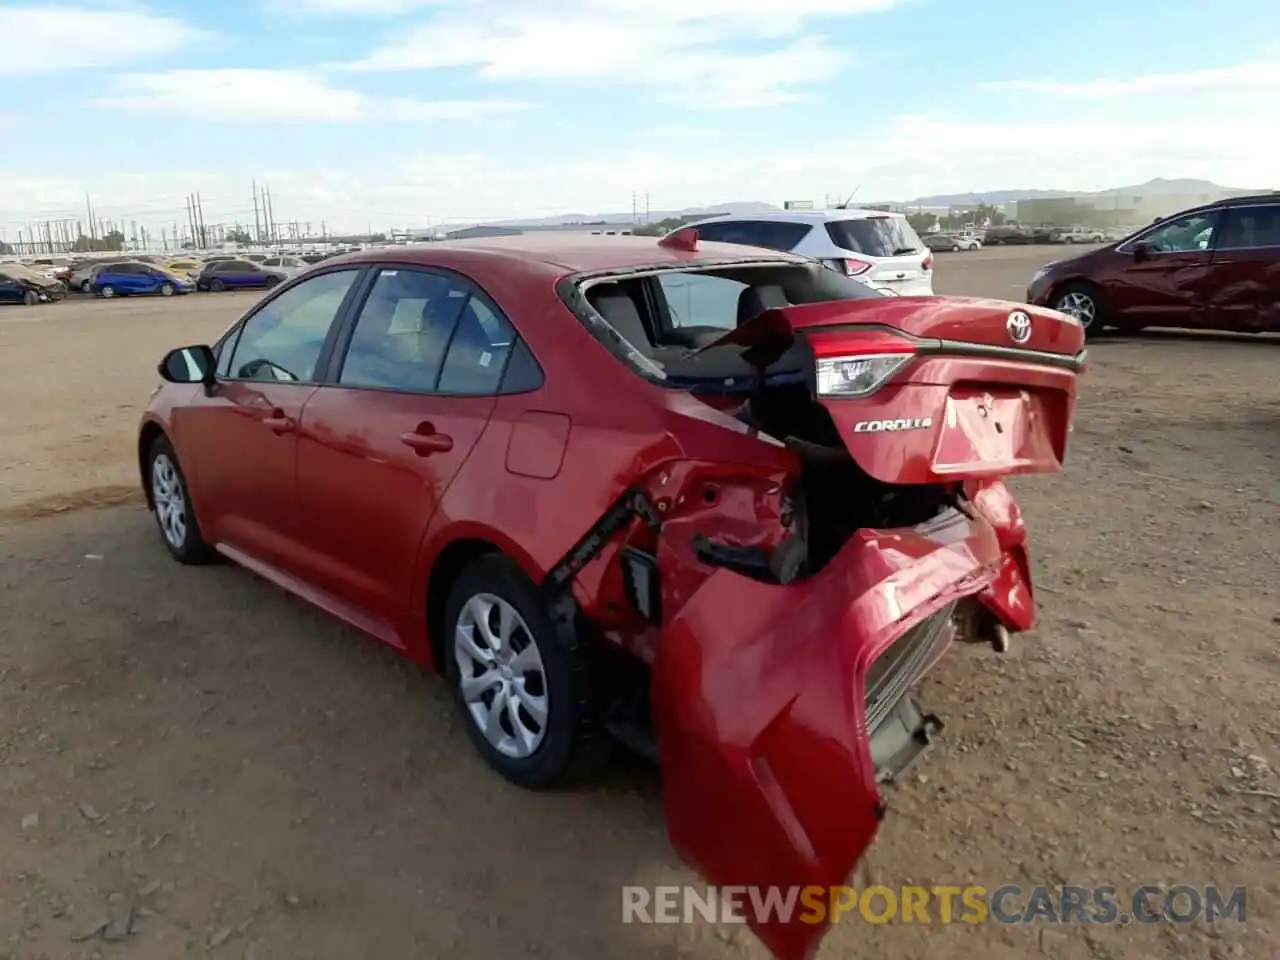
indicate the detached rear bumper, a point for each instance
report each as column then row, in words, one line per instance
column 779, row 708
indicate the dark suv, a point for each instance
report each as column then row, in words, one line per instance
column 1214, row 267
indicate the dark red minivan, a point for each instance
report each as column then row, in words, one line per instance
column 1215, row 267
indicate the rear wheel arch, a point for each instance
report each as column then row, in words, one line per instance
column 446, row 568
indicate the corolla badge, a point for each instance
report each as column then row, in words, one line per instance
column 1019, row 326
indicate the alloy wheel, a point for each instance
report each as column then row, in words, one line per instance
column 500, row 675
column 170, row 500
column 1078, row 305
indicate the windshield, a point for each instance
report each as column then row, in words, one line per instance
column 875, row 236
column 665, row 325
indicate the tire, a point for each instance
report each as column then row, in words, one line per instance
column 1084, row 301
column 217, row 285
column 166, row 290
column 571, row 741
column 108, row 291
column 271, row 282
column 86, row 286
column 31, row 298
column 168, row 492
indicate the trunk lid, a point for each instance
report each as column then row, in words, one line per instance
column 971, row 388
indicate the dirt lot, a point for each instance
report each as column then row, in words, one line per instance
column 240, row 775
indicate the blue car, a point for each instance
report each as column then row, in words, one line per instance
column 220, row 275
column 131, row 279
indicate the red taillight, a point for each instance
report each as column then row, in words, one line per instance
column 928, row 262
column 854, row 268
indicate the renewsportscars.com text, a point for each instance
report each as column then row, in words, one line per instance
column 971, row 903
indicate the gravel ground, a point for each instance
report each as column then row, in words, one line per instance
column 194, row 763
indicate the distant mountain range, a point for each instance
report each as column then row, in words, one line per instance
column 1156, row 187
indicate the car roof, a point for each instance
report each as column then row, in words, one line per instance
column 803, row 216
column 559, row 254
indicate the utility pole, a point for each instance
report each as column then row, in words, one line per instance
column 646, row 206
column 257, row 227
column 633, row 207
column 204, row 236
column 271, row 219
column 191, row 216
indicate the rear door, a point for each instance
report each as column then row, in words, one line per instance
column 415, row 385
column 1170, row 283
column 1244, row 291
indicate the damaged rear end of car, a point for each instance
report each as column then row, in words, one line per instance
column 823, row 517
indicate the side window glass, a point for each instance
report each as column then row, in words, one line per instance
column 701, row 300
column 781, row 235
column 402, row 333
column 478, row 351
column 283, row 340
column 1184, row 235
column 1246, row 228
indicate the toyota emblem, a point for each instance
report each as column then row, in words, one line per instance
column 1019, row 326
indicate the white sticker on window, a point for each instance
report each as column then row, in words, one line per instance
column 485, row 358
column 390, row 273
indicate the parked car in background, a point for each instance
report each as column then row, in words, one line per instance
column 1083, row 235
column 970, row 241
column 1006, row 234
column 874, row 247
column 1214, row 267
column 81, row 276
column 735, row 541
column 136, row 278
column 290, row 265
column 238, row 274
column 184, row 267
column 941, row 242
column 20, row 284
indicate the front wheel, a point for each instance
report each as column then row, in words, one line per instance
column 108, row 291
column 166, row 290
column 30, row 298
column 171, row 503
column 271, row 282
column 216, row 285
column 524, row 690
column 1084, row 302
column 86, row 286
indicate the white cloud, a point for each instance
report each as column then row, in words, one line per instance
column 1259, row 77
column 714, row 53
column 368, row 8
column 266, row 96
column 908, row 157
column 49, row 38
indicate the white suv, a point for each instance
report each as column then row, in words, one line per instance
column 880, row 249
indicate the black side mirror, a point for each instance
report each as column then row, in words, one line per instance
column 1140, row 252
column 189, row 365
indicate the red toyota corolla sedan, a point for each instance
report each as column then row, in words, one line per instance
column 721, row 504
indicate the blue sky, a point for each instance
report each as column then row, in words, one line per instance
column 409, row 112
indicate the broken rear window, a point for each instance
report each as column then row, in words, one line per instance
column 664, row 323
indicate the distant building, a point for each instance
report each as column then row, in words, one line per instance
column 481, row 232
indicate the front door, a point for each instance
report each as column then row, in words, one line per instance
column 244, row 430
column 1245, row 293
column 417, row 385
column 1167, row 285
